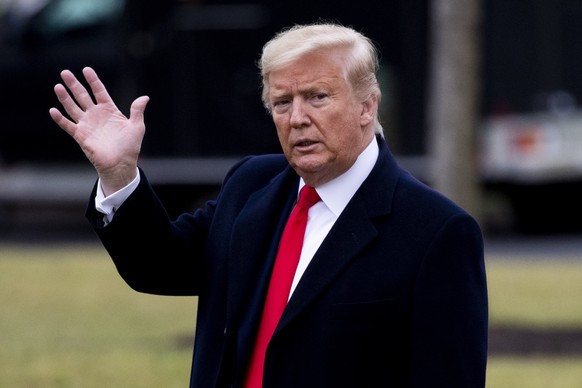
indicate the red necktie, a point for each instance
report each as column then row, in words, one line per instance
column 280, row 285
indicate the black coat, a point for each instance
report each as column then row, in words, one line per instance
column 394, row 297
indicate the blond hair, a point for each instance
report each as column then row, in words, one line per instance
column 294, row 42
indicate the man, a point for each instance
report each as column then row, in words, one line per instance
column 390, row 289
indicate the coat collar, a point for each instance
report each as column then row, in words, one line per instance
column 258, row 228
column 352, row 232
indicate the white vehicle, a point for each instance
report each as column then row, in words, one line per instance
column 535, row 161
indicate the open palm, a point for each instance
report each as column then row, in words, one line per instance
column 110, row 140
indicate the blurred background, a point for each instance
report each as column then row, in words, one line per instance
column 196, row 60
column 480, row 99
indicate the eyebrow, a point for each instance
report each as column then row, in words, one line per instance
column 315, row 87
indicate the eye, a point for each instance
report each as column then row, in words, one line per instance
column 279, row 106
column 280, row 102
column 318, row 98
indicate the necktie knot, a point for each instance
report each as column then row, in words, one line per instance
column 308, row 197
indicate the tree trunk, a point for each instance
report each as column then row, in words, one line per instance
column 453, row 101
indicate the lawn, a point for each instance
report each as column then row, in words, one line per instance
column 535, row 294
column 69, row 320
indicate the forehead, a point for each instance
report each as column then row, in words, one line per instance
column 310, row 70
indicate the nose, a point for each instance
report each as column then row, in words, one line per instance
column 299, row 117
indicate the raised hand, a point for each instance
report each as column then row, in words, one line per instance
column 110, row 140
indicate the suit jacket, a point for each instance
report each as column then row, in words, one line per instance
column 394, row 297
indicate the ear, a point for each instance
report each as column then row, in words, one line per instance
column 369, row 109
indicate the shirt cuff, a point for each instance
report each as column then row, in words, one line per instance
column 109, row 205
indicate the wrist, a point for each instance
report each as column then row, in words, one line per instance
column 114, row 181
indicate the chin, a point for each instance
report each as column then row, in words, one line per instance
column 308, row 164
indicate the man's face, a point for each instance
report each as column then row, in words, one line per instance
column 322, row 128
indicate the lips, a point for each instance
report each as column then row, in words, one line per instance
column 305, row 143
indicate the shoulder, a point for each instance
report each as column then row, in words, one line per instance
column 420, row 204
column 257, row 168
column 426, row 197
column 393, row 189
column 266, row 173
column 254, row 172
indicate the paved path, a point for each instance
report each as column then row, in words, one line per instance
column 543, row 247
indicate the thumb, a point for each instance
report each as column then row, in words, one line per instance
column 136, row 112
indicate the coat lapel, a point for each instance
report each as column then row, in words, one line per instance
column 340, row 247
column 255, row 236
column 352, row 232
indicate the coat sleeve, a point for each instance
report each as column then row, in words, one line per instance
column 158, row 255
column 152, row 253
column 450, row 310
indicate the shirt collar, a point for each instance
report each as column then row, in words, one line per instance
column 339, row 191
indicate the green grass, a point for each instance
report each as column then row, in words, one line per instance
column 535, row 293
column 534, row 372
column 69, row 320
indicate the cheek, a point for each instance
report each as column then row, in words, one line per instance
column 343, row 137
column 282, row 129
column 283, row 135
column 346, row 142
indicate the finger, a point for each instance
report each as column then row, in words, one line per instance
column 62, row 121
column 79, row 92
column 97, row 87
column 136, row 112
column 70, row 106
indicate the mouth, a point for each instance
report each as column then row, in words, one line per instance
column 305, row 144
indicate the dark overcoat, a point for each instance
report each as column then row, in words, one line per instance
column 395, row 296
